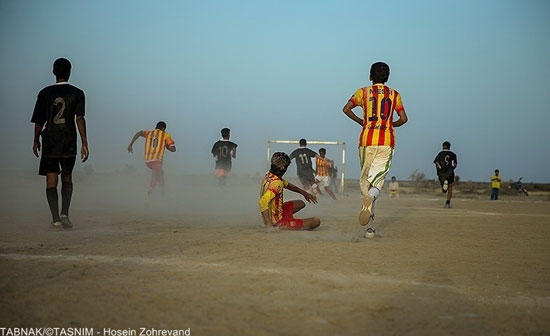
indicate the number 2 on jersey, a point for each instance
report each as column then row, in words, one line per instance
column 59, row 105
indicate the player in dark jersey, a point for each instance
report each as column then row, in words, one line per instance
column 55, row 111
column 445, row 164
column 304, row 168
column 223, row 150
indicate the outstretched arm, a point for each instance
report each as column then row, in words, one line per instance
column 347, row 110
column 81, row 124
column 309, row 197
column 402, row 118
column 136, row 136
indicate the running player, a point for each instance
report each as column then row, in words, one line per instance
column 54, row 115
column 274, row 211
column 156, row 141
column 223, row 150
column 304, row 169
column 445, row 164
column 376, row 142
column 322, row 168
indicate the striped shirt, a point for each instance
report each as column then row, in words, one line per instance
column 156, row 142
column 378, row 103
column 322, row 166
column 271, row 196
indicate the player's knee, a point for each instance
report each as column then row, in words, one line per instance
column 299, row 205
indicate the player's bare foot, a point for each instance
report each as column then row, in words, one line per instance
column 364, row 215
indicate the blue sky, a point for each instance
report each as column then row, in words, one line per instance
column 471, row 72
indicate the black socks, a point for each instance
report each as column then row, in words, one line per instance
column 53, row 200
column 66, row 194
column 51, row 195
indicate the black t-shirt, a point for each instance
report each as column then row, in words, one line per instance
column 447, row 162
column 56, row 108
column 222, row 151
column 303, row 161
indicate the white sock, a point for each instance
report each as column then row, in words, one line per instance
column 374, row 193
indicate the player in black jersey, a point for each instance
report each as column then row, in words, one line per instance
column 445, row 164
column 55, row 111
column 304, row 168
column 223, row 150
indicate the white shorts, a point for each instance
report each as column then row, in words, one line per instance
column 375, row 165
column 323, row 181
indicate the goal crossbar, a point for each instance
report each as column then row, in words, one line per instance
column 313, row 142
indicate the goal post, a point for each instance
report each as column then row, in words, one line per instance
column 314, row 142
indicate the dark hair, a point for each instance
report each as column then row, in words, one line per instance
column 497, row 171
column 161, row 125
column 279, row 163
column 322, row 150
column 225, row 132
column 379, row 72
column 447, row 145
column 62, row 68
column 303, row 142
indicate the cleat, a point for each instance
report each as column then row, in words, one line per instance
column 66, row 222
column 445, row 186
column 369, row 233
column 57, row 225
column 365, row 214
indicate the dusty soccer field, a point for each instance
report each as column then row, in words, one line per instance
column 199, row 260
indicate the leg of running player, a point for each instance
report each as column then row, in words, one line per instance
column 160, row 179
column 52, row 196
column 329, row 191
column 154, row 181
column 449, row 195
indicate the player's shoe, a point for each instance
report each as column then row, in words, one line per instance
column 447, row 204
column 66, row 222
column 445, row 186
column 365, row 214
column 57, row 225
column 369, row 233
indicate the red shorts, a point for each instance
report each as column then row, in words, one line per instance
column 289, row 222
column 155, row 166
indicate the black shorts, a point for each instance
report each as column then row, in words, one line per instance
column 306, row 178
column 450, row 177
column 56, row 165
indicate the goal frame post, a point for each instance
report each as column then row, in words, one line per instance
column 313, row 142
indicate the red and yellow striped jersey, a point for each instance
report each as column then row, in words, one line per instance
column 378, row 102
column 322, row 166
column 271, row 196
column 155, row 144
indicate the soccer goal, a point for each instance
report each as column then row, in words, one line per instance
column 342, row 172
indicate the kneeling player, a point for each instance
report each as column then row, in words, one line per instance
column 274, row 211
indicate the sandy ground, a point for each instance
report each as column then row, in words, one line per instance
column 199, row 260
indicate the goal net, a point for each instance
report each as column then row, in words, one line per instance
column 341, row 144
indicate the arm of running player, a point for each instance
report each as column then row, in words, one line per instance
column 81, row 124
column 36, row 144
column 309, row 197
column 136, row 136
column 234, row 152
column 347, row 110
column 171, row 148
column 402, row 118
